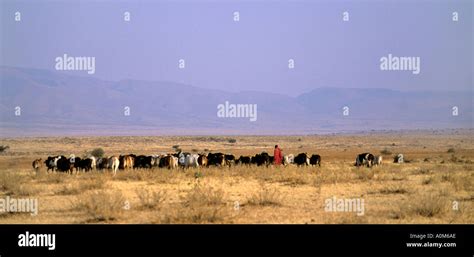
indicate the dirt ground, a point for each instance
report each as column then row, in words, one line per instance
column 435, row 185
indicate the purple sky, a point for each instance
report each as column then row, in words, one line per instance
column 251, row 54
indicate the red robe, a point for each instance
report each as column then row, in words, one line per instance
column 277, row 158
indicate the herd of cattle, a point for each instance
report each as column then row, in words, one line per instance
column 186, row 160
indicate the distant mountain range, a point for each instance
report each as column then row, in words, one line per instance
column 55, row 103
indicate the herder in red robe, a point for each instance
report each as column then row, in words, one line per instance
column 277, row 158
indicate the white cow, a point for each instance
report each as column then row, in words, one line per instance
column 288, row 159
column 94, row 162
column 378, row 160
column 174, row 164
column 191, row 160
column 54, row 162
column 182, row 159
column 114, row 163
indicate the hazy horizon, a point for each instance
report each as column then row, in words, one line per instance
column 73, row 74
column 252, row 53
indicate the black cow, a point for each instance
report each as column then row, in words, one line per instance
column 165, row 161
column 85, row 164
column 64, row 165
column 217, row 159
column 49, row 162
column 364, row 159
column 229, row 159
column 261, row 159
column 143, row 162
column 315, row 160
column 77, row 161
column 243, row 160
column 302, row 159
column 102, row 163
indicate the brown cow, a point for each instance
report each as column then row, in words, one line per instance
column 37, row 164
column 126, row 161
column 202, row 160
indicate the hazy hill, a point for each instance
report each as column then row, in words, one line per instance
column 56, row 103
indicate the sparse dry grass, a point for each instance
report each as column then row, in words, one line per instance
column 78, row 187
column 427, row 205
column 421, row 191
column 151, row 199
column 100, row 206
column 266, row 197
column 201, row 204
column 14, row 184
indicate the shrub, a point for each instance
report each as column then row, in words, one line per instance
column 13, row 184
column 101, row 205
column 427, row 206
column 196, row 214
column 3, row 148
column 176, row 148
column 92, row 184
column 202, row 204
column 150, row 199
column 266, row 197
column 393, row 189
column 98, row 152
column 204, row 195
column 451, row 150
column 386, row 152
column 232, row 140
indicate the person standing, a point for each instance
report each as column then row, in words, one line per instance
column 277, row 157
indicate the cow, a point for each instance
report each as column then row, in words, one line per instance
column 143, row 162
column 364, row 159
column 93, row 162
column 77, row 163
column 288, row 159
column 398, row 158
column 114, row 164
column 164, row 161
column 315, row 159
column 229, row 159
column 51, row 162
column 217, row 159
column 261, row 159
column 126, row 161
column 378, row 160
column 202, row 160
column 85, row 164
column 72, row 161
column 102, row 163
column 302, row 159
column 168, row 161
column 191, row 160
column 63, row 164
column 37, row 164
column 244, row 160
column 155, row 160
column 173, row 163
column 182, row 158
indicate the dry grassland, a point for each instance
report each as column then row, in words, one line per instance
column 438, row 175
